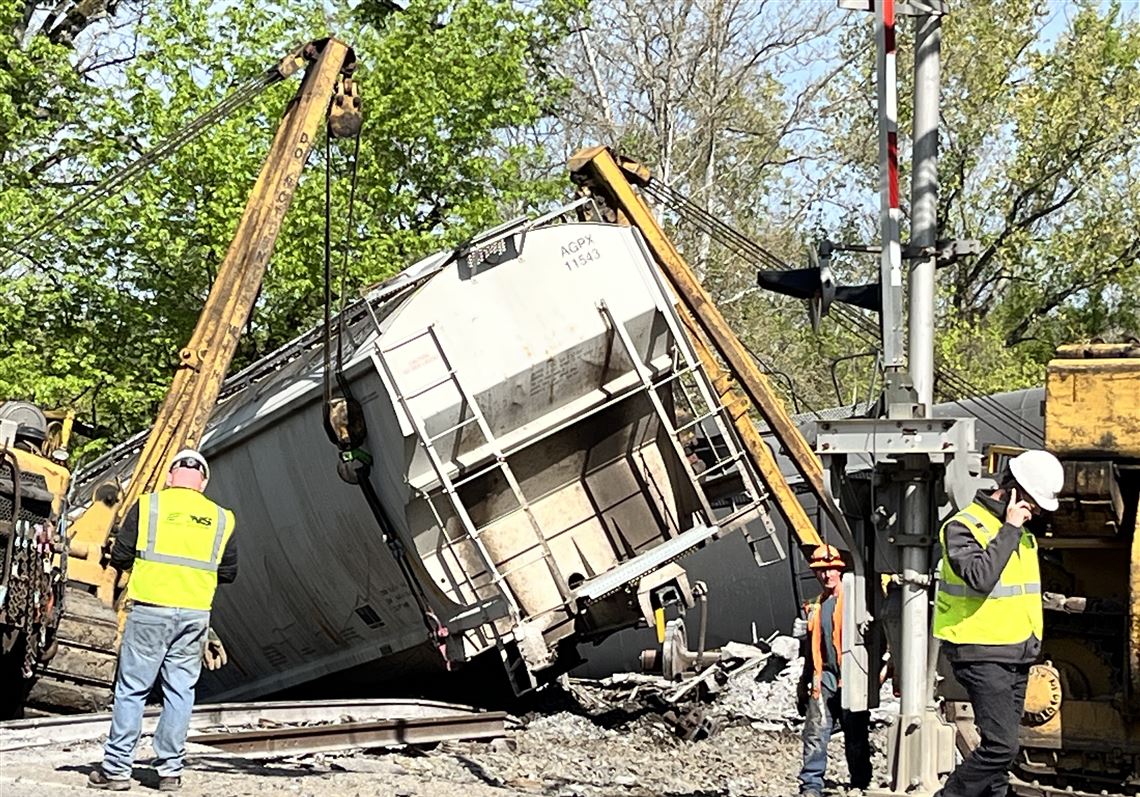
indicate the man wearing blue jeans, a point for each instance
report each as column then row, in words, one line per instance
column 820, row 699
column 181, row 546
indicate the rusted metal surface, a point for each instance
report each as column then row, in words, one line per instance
column 298, row 740
column 1042, row 695
column 1097, row 350
column 599, row 170
column 1090, row 502
column 42, row 731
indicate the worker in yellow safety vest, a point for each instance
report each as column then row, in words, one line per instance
column 987, row 612
column 820, row 690
column 181, row 546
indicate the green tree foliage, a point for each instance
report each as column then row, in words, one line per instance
column 95, row 313
column 763, row 114
column 1060, row 215
column 1039, row 162
column 723, row 100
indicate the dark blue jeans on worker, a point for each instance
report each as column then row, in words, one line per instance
column 819, row 721
column 997, row 694
column 160, row 645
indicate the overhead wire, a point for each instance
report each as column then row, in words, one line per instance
column 724, row 234
column 115, row 182
column 1011, row 421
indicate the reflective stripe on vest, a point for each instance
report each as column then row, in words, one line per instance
column 815, row 632
column 999, row 591
column 150, row 555
column 1010, row 612
column 182, row 539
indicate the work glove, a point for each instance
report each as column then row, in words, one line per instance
column 802, row 689
column 799, row 628
column 214, row 656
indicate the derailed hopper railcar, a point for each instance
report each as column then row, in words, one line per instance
column 524, row 483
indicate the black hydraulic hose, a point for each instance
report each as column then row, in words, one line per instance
column 391, row 538
column 327, row 271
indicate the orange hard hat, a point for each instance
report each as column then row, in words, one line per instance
column 825, row 556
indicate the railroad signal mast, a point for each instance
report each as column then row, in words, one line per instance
column 922, row 468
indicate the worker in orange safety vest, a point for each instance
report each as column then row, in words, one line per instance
column 820, row 697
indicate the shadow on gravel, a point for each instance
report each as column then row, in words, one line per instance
column 478, row 771
column 148, row 776
column 247, row 766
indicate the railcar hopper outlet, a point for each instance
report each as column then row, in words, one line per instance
column 528, row 404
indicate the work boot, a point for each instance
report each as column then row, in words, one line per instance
column 170, row 784
column 98, row 780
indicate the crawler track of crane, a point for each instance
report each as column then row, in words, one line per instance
column 1036, row 789
column 80, row 677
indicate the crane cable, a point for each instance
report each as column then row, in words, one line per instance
column 740, row 244
column 118, row 180
column 436, row 630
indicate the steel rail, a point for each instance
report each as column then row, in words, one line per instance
column 305, row 739
column 68, row 729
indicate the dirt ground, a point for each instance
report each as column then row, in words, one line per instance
column 564, row 755
column 589, row 741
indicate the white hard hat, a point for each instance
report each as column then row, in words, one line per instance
column 1041, row 475
column 180, row 460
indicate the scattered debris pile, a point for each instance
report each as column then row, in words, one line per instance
column 741, row 685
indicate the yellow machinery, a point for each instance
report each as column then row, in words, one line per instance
column 741, row 385
column 33, row 482
column 75, row 668
column 1082, row 710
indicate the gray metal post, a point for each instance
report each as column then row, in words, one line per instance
column 924, row 205
column 915, row 632
column 917, row 511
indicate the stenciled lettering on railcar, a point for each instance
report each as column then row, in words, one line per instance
column 579, row 252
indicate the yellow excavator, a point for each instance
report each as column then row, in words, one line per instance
column 61, row 614
column 1081, row 726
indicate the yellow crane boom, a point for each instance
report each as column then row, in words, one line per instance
column 612, row 178
column 326, row 92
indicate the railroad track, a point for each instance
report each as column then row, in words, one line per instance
column 273, row 729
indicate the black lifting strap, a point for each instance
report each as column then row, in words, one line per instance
column 343, row 418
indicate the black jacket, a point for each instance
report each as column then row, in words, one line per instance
column 127, row 540
column 981, row 569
